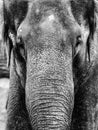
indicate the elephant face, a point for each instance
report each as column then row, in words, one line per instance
column 49, row 34
column 54, row 46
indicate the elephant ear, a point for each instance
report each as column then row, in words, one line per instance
column 15, row 52
column 85, row 15
column 15, row 49
column 90, row 17
column 13, row 14
column 7, row 43
column 7, row 29
column 13, row 44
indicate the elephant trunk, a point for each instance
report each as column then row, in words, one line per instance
column 50, row 105
column 49, row 96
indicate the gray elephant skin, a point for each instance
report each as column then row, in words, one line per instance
column 52, row 54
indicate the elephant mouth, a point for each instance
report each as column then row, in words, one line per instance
column 49, row 103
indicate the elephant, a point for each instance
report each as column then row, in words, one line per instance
column 52, row 58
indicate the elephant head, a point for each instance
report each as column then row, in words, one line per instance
column 47, row 43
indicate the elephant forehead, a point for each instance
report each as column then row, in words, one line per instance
column 48, row 23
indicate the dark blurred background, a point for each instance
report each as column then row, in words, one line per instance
column 4, row 75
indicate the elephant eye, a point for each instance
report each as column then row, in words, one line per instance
column 78, row 44
column 78, row 40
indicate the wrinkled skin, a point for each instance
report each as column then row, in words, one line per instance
column 52, row 55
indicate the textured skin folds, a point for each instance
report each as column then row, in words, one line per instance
column 52, row 55
column 52, row 102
